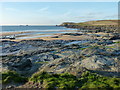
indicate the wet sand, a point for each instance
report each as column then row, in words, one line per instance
column 49, row 36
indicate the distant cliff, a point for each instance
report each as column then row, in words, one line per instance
column 94, row 26
column 98, row 22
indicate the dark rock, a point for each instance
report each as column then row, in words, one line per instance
column 24, row 64
column 115, row 37
column 72, row 34
column 55, row 37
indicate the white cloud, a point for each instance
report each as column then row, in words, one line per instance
column 43, row 9
column 11, row 9
column 67, row 13
column 112, row 16
column 92, row 15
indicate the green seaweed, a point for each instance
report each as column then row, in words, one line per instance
column 12, row 76
column 66, row 80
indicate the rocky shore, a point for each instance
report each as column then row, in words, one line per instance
column 26, row 57
column 43, row 62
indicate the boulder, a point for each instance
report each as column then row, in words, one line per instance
column 43, row 57
column 98, row 62
column 22, row 65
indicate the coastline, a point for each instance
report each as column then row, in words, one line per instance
column 60, row 45
column 13, row 33
column 65, row 36
column 75, row 53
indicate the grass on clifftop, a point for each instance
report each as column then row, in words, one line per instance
column 93, row 23
column 65, row 80
column 101, row 22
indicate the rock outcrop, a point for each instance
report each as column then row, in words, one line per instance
column 58, row 56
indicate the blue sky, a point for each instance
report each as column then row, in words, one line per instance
column 52, row 13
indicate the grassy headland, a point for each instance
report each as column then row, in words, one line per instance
column 94, row 26
column 90, row 23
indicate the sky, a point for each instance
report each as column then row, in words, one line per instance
column 53, row 13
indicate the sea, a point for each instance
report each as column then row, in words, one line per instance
column 33, row 28
column 36, row 31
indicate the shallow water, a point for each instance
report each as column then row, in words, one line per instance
column 36, row 31
column 77, row 42
column 28, row 37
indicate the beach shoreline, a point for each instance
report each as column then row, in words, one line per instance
column 27, row 35
column 55, row 53
column 13, row 33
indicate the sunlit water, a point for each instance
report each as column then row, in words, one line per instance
column 36, row 31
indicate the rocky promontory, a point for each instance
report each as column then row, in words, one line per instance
column 94, row 26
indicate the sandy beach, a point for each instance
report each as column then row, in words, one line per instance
column 12, row 33
column 59, row 36
column 42, row 36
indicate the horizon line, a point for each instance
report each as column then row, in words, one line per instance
column 53, row 24
column 28, row 24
